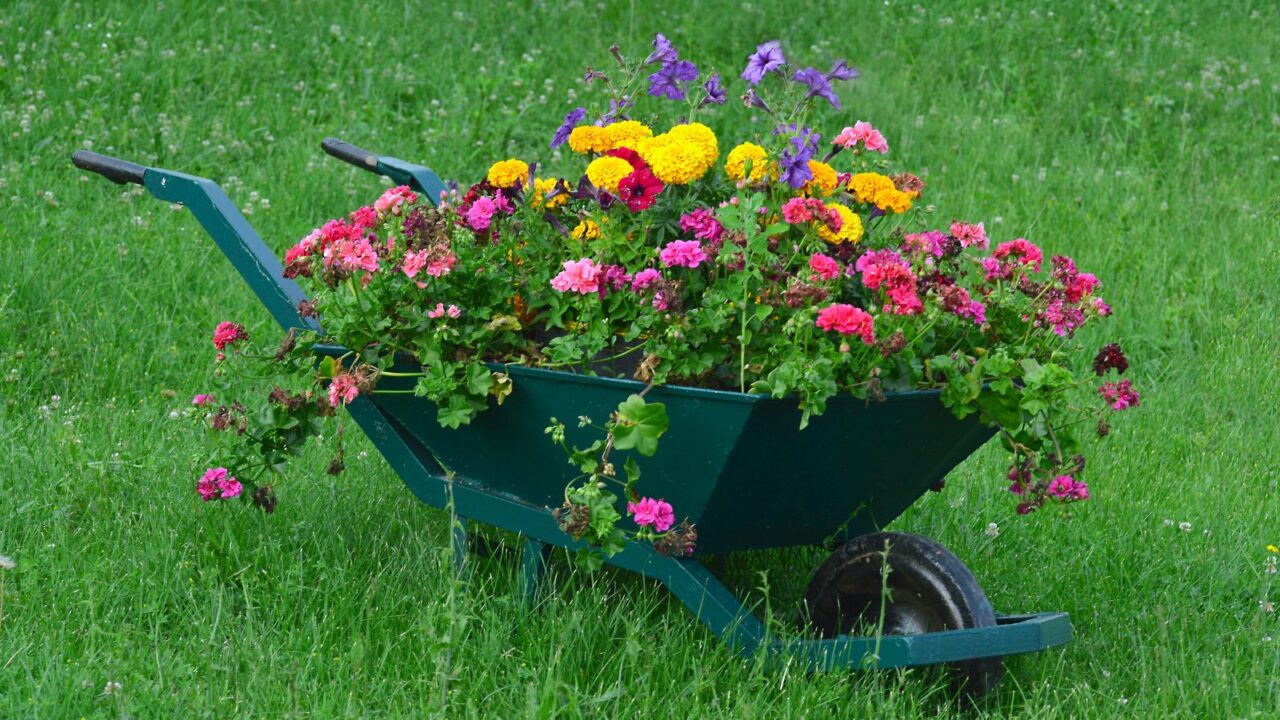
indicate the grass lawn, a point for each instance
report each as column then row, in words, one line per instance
column 1139, row 138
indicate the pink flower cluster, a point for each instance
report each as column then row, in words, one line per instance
column 217, row 484
column 394, row 199
column 440, row 311
column 644, row 279
column 580, row 276
column 970, row 235
column 957, row 301
column 862, row 132
column 435, row 263
column 703, row 224
column 1008, row 255
column 1120, row 395
column 652, row 513
column 683, row 253
column 343, row 389
column 480, row 214
column 931, row 243
column 1064, row 487
column 202, row 400
column 228, row 334
column 824, row 266
column 799, row 210
column 613, row 277
column 848, row 320
column 351, row 254
column 885, row 269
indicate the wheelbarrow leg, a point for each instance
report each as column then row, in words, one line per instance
column 536, row 554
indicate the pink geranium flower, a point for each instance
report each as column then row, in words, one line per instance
column 414, row 262
column 480, row 215
column 1065, row 487
column 393, row 199
column 217, row 484
column 703, row 224
column 682, row 253
column 848, row 320
column 1025, row 253
column 826, row 267
column 644, row 279
column 228, row 334
column 970, row 235
column 931, row 243
column 1120, row 395
column 442, row 265
column 862, row 132
column 351, row 255
column 364, row 218
column 656, row 513
column 580, row 276
column 343, row 389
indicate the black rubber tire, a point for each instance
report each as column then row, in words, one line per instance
column 930, row 590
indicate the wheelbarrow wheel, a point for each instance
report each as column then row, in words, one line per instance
column 930, row 590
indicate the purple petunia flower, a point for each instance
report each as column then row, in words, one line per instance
column 842, row 71
column 663, row 51
column 795, row 159
column 715, row 91
column 571, row 121
column 818, row 85
column 666, row 82
column 616, row 108
column 767, row 58
column 751, row 99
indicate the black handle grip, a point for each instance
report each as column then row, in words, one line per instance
column 114, row 169
column 347, row 152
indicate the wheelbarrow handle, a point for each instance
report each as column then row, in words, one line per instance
column 418, row 177
column 114, row 169
column 349, row 153
column 255, row 262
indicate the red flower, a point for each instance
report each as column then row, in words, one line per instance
column 639, row 190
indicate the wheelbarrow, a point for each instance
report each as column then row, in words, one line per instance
column 736, row 464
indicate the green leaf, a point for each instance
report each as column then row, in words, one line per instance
column 479, row 380
column 639, row 425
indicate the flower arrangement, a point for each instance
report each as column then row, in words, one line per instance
column 778, row 264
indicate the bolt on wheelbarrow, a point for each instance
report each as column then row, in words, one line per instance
column 740, row 466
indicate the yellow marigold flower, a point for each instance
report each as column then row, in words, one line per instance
column 607, row 172
column 625, row 133
column 589, row 138
column 542, row 186
column 701, row 136
column 586, row 230
column 894, row 201
column 850, row 229
column 506, row 173
column 866, row 187
column 824, row 178
column 649, row 147
column 678, row 163
column 735, row 166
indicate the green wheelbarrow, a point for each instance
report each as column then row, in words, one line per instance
column 739, row 467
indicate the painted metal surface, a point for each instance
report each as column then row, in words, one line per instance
column 869, row 463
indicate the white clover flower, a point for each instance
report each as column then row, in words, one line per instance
column 112, row 688
column 7, row 563
column 993, row 530
column 1184, row 526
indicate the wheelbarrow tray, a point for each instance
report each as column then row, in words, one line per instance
column 737, row 465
